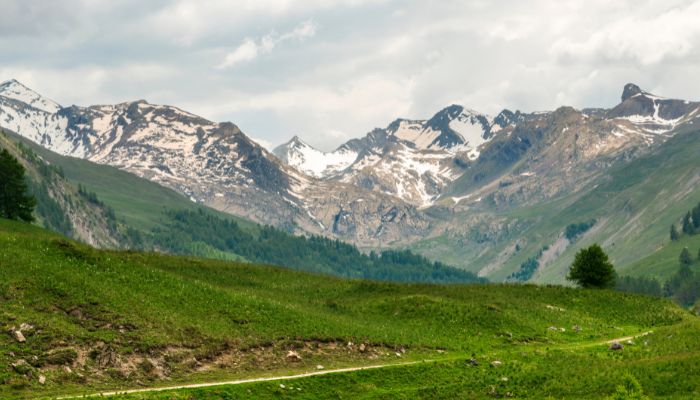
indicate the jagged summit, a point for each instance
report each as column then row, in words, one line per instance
column 630, row 90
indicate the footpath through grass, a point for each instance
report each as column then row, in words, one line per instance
column 104, row 320
column 666, row 363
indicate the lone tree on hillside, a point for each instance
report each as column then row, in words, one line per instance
column 15, row 203
column 592, row 269
column 685, row 257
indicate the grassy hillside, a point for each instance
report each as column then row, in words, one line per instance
column 124, row 319
column 664, row 261
column 665, row 363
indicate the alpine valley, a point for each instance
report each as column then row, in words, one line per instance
column 494, row 195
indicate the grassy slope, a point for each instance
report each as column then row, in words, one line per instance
column 665, row 362
column 145, row 305
column 665, row 260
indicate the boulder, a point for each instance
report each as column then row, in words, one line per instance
column 363, row 348
column 616, row 346
column 319, row 367
column 42, row 379
column 496, row 363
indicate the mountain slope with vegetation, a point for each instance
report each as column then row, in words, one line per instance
column 60, row 206
column 92, row 319
column 144, row 215
column 628, row 210
column 484, row 194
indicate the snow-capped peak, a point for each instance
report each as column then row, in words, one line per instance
column 12, row 89
column 452, row 128
column 308, row 159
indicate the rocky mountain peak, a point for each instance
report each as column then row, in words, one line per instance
column 630, row 90
column 13, row 89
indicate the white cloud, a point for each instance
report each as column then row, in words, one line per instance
column 375, row 60
column 247, row 51
column 250, row 49
column 670, row 34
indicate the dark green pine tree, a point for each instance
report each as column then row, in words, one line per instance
column 685, row 257
column 592, row 269
column 674, row 233
column 696, row 218
column 15, row 203
column 688, row 228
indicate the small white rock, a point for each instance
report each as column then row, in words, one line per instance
column 42, row 379
column 19, row 336
column 319, row 367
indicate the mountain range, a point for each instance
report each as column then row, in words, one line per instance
column 486, row 193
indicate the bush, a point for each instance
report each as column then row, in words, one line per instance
column 62, row 357
column 629, row 390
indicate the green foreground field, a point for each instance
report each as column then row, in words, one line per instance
column 103, row 320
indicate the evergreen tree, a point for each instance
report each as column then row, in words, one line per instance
column 674, row 233
column 685, row 257
column 15, row 203
column 592, row 269
column 696, row 218
column 688, row 224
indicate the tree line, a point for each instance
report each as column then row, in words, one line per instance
column 269, row 245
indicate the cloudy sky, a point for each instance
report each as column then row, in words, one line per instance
column 329, row 70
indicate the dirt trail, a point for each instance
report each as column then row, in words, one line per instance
column 250, row 380
column 308, row 374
